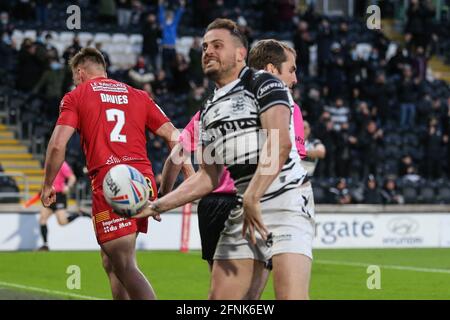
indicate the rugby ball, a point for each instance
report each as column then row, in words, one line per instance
column 125, row 190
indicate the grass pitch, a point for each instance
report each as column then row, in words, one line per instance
column 337, row 274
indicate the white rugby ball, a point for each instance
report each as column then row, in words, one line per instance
column 125, row 190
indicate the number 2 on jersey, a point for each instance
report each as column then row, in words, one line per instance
column 119, row 116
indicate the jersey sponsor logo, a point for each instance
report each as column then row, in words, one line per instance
column 127, row 158
column 232, row 126
column 116, row 99
column 269, row 86
column 109, row 87
column 112, row 160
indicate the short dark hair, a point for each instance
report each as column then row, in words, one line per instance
column 231, row 26
column 269, row 51
column 87, row 55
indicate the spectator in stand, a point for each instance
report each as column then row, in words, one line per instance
column 5, row 24
column 381, row 94
column 160, row 85
column 324, row 41
column 98, row 46
column 180, row 75
column 339, row 113
column 148, row 88
column 107, row 11
column 150, row 47
column 324, row 131
column 371, row 193
column 195, row 64
column 302, row 42
column 335, row 71
column 434, row 149
column 72, row 49
column 312, row 106
column 344, row 141
column 417, row 29
column 446, row 125
column 140, row 74
column 340, row 193
column 420, row 62
column 370, row 142
column 286, row 11
column 407, row 96
column 123, row 13
column 405, row 163
column 390, row 193
column 29, row 67
column 42, row 10
column 169, row 25
column 195, row 99
column 50, row 85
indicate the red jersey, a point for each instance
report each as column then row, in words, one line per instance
column 111, row 118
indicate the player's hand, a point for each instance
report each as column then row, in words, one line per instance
column 148, row 212
column 48, row 196
column 253, row 220
column 66, row 190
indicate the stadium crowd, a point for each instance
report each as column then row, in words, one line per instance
column 384, row 120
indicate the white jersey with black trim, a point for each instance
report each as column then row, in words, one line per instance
column 231, row 133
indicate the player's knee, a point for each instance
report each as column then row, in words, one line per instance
column 123, row 265
column 107, row 264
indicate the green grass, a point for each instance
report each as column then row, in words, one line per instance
column 185, row 276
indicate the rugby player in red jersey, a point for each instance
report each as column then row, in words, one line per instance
column 111, row 118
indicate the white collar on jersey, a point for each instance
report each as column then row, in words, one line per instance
column 220, row 92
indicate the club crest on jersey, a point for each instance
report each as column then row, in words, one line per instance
column 238, row 106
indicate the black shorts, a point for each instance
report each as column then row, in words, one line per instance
column 61, row 202
column 213, row 210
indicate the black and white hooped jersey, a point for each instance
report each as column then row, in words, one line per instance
column 231, row 133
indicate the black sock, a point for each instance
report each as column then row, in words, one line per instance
column 44, row 233
column 72, row 217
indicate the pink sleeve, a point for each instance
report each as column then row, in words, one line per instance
column 65, row 170
column 188, row 136
column 299, row 131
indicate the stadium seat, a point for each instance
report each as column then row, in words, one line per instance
column 102, row 38
column 120, row 38
column 363, row 50
column 427, row 195
column 85, row 37
column 410, row 195
column 319, row 194
column 136, row 39
column 66, row 37
column 30, row 34
column 443, row 195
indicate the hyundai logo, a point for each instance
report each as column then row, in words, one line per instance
column 403, row 226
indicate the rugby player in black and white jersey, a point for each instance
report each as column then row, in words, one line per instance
column 272, row 221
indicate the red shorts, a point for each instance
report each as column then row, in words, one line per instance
column 107, row 224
